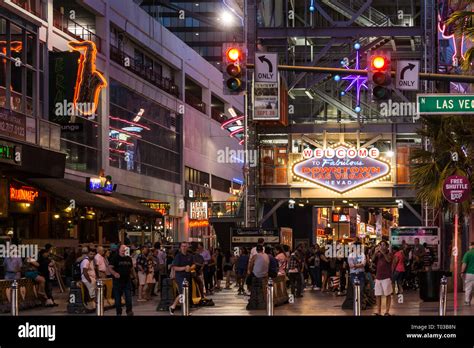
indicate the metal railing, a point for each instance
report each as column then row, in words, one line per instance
column 195, row 102
column 74, row 29
column 146, row 73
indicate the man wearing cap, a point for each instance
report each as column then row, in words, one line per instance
column 467, row 272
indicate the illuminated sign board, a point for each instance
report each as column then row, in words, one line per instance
column 198, row 211
column 100, row 185
column 198, row 223
column 74, row 83
column 23, row 194
column 89, row 81
column 362, row 230
column 161, row 207
column 342, row 168
column 10, row 153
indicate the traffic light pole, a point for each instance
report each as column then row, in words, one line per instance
column 343, row 71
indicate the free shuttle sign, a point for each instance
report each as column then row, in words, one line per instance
column 445, row 104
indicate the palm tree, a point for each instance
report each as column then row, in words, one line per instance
column 462, row 22
column 446, row 135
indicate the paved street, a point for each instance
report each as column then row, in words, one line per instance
column 228, row 303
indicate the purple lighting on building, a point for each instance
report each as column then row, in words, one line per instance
column 356, row 81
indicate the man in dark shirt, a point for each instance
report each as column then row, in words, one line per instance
column 383, row 276
column 44, row 261
column 182, row 266
column 121, row 268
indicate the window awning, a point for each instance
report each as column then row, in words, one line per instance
column 70, row 189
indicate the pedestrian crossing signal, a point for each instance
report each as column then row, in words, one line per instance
column 234, row 68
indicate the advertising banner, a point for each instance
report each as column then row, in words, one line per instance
column 428, row 235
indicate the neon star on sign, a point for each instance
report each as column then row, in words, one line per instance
column 341, row 168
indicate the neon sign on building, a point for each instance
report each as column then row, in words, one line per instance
column 89, row 81
column 341, row 168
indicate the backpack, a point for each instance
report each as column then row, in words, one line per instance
column 273, row 268
column 76, row 270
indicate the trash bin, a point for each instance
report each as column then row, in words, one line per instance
column 430, row 285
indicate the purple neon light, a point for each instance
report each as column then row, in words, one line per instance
column 356, row 81
column 232, row 120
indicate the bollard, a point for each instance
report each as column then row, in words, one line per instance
column 270, row 291
column 442, row 296
column 356, row 297
column 100, row 298
column 185, row 304
column 14, row 296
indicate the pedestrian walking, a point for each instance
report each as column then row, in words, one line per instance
column 467, row 272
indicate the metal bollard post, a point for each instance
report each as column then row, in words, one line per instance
column 356, row 297
column 443, row 291
column 100, row 298
column 185, row 304
column 270, row 291
column 14, row 296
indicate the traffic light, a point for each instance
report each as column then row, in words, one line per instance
column 234, row 68
column 379, row 74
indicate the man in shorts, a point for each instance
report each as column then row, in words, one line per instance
column 383, row 276
column 182, row 265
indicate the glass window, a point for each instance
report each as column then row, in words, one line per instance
column 221, row 184
column 79, row 157
column 141, row 139
column 30, row 48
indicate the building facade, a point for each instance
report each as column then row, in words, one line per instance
column 153, row 121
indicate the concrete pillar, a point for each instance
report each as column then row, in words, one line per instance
column 206, row 98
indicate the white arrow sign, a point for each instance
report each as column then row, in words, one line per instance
column 408, row 75
column 266, row 66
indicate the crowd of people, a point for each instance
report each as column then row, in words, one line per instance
column 380, row 269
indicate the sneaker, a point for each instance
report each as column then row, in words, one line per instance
column 130, row 314
column 467, row 303
column 141, row 300
column 171, row 310
column 316, row 288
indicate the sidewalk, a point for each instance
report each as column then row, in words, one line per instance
column 228, row 303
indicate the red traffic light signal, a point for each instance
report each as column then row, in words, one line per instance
column 234, row 69
column 233, row 54
column 378, row 62
column 379, row 74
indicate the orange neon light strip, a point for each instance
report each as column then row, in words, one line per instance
column 87, row 69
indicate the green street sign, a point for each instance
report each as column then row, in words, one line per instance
column 445, row 104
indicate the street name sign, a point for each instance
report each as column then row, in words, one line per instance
column 266, row 66
column 440, row 104
column 408, row 75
